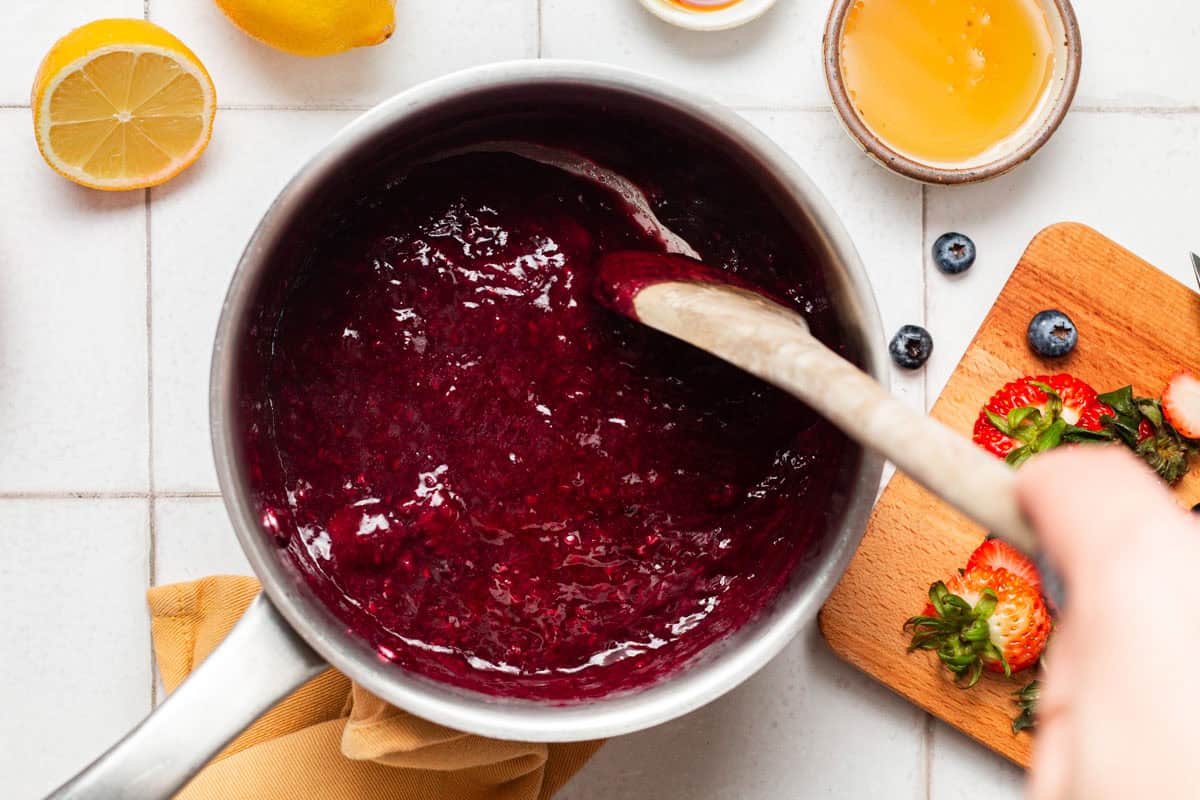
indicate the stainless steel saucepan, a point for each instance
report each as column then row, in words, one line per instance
column 288, row 636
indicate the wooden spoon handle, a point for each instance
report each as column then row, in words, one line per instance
column 774, row 343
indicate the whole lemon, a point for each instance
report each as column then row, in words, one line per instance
column 313, row 27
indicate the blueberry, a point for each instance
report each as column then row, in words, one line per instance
column 911, row 346
column 1052, row 334
column 953, row 253
column 1196, row 508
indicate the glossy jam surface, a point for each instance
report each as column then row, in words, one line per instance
column 502, row 485
column 946, row 80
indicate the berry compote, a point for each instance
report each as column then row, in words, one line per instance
column 499, row 483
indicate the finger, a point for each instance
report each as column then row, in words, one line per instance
column 1050, row 776
column 1083, row 499
column 1050, row 773
column 1059, row 671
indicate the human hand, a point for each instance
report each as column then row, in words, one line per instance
column 1119, row 715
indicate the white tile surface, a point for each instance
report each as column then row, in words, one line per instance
column 75, row 673
column 772, row 61
column 30, row 29
column 961, row 767
column 194, row 539
column 72, row 328
column 1143, row 58
column 199, row 225
column 807, row 726
column 431, row 39
column 1134, row 177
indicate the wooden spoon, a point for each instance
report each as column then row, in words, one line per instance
column 707, row 308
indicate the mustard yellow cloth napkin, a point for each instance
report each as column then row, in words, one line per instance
column 333, row 740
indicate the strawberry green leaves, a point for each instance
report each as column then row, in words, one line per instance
column 1026, row 699
column 1017, row 424
column 1040, row 429
column 958, row 633
column 1139, row 424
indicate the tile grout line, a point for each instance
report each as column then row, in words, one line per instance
column 798, row 108
column 793, row 107
column 924, row 287
column 294, row 107
column 248, row 107
column 84, row 494
column 1156, row 110
column 806, row 108
column 152, row 555
column 540, row 16
column 926, row 765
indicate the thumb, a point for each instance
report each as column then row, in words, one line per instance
column 1086, row 501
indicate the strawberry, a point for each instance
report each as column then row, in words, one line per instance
column 983, row 619
column 1181, row 404
column 1038, row 413
column 999, row 554
column 1141, row 425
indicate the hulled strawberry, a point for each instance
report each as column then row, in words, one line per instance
column 983, row 619
column 1181, row 404
column 1140, row 423
column 999, row 554
column 1038, row 413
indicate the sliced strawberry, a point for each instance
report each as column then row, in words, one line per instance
column 983, row 619
column 1038, row 413
column 1181, row 404
column 999, row 554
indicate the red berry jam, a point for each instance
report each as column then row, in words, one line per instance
column 504, row 486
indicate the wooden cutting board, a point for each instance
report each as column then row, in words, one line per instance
column 1136, row 325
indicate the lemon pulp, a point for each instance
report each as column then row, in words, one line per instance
column 121, row 104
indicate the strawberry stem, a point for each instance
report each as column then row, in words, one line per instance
column 1138, row 423
column 1026, row 700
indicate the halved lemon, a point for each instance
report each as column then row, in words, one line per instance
column 122, row 104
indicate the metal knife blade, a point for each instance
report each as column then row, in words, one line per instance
column 1196, row 267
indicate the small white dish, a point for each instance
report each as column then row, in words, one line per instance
column 719, row 19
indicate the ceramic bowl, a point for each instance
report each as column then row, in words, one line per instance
column 1001, row 157
column 721, row 19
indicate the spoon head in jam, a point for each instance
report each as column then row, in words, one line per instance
column 621, row 276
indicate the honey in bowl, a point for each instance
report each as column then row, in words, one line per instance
column 945, row 81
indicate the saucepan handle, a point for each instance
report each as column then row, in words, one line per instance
column 260, row 662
